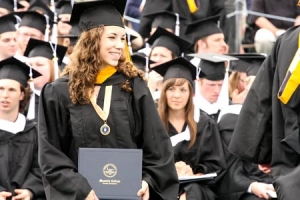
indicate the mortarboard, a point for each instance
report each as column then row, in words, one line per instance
column 14, row 69
column 248, row 63
column 164, row 38
column 74, row 35
column 7, row 23
column 42, row 8
column 177, row 68
column 92, row 14
column 37, row 48
column 165, row 19
column 33, row 19
column 213, row 65
column 203, row 28
column 141, row 61
column 10, row 5
column 64, row 7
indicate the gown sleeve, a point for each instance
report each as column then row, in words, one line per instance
column 33, row 180
column 60, row 175
column 252, row 135
column 212, row 157
column 158, row 161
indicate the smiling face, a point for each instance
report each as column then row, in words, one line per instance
column 10, row 96
column 112, row 44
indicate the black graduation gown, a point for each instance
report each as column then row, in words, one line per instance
column 267, row 131
column 134, row 123
column 212, row 116
column 205, row 156
column 240, row 173
column 206, row 9
column 19, row 161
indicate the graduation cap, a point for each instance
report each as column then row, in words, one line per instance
column 33, row 19
column 14, row 69
column 64, row 6
column 10, row 5
column 213, row 65
column 92, row 14
column 165, row 19
column 164, row 38
column 177, row 68
column 141, row 61
column 7, row 23
column 40, row 48
column 248, row 63
column 42, row 8
column 203, row 28
column 74, row 35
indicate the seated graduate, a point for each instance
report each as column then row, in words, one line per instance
column 71, row 110
column 244, row 72
column 165, row 46
column 42, row 58
column 242, row 180
column 20, row 175
column 200, row 151
column 213, row 86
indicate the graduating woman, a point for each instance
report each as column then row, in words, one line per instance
column 202, row 153
column 20, row 175
column 68, row 118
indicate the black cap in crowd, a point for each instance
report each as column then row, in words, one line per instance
column 74, row 35
column 7, row 23
column 141, row 61
column 64, row 7
column 164, row 38
column 33, row 19
column 14, row 69
column 203, row 28
column 177, row 68
column 213, row 65
column 164, row 19
column 248, row 63
column 92, row 14
column 40, row 48
column 9, row 5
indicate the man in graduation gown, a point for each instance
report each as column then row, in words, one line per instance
column 267, row 131
column 20, row 175
column 242, row 180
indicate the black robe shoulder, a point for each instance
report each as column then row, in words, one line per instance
column 19, row 161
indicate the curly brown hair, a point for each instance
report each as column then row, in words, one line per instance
column 23, row 103
column 84, row 67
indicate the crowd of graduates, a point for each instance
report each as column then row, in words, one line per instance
column 69, row 69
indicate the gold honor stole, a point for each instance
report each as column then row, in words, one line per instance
column 192, row 6
column 292, row 78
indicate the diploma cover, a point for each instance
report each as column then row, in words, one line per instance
column 112, row 173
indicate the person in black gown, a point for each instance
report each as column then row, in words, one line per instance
column 20, row 175
column 67, row 119
column 41, row 58
column 200, row 150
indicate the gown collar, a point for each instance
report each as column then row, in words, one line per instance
column 14, row 127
